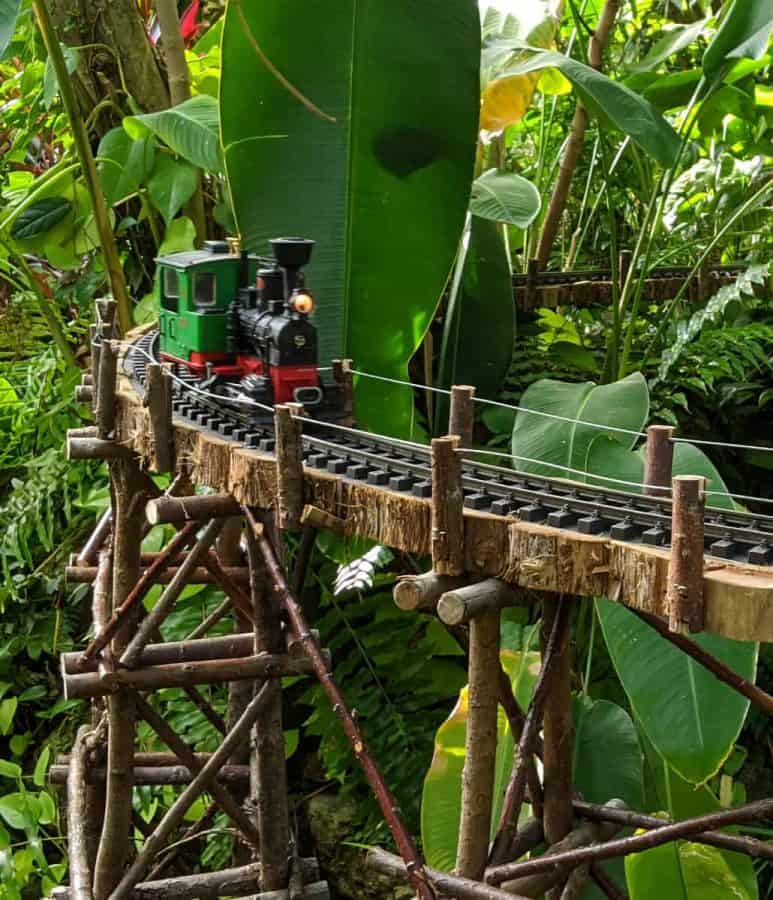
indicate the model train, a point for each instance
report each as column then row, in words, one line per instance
column 241, row 324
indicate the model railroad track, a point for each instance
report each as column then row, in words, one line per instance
column 542, row 279
column 623, row 516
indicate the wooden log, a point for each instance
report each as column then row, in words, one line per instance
column 127, row 483
column 422, row 592
column 461, row 416
column 108, row 376
column 90, row 552
column 685, row 570
column 219, row 613
column 289, row 464
column 87, row 380
column 84, row 394
column 168, row 598
column 269, row 771
column 189, row 759
column 658, row 460
column 557, row 724
column 464, row 604
column 231, row 646
column 480, row 747
column 321, row 520
column 77, row 813
column 447, row 508
column 208, row 671
column 342, row 372
column 446, row 885
column 169, row 510
column 106, row 311
column 95, row 448
column 530, row 295
column 175, row 815
column 152, row 775
column 95, row 342
column 159, row 402
column 200, row 575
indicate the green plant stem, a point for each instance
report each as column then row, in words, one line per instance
column 742, row 210
column 44, row 305
column 88, row 166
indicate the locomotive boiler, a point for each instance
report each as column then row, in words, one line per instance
column 242, row 324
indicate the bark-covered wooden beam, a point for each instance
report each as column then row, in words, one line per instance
column 174, row 774
column 658, row 460
column 289, row 463
column 422, row 592
column 208, row 671
column 464, row 604
column 168, row 510
column 447, row 507
column 77, row 815
column 238, row 575
column 685, row 571
column 159, row 401
column 461, row 416
column 386, row 800
column 740, row 815
column 175, row 815
column 516, row 788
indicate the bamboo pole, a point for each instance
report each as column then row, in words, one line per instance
column 176, row 812
column 267, row 763
column 88, row 166
column 741, row 815
column 480, row 747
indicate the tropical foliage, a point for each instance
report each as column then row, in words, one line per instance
column 425, row 148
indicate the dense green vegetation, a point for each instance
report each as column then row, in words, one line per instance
column 422, row 210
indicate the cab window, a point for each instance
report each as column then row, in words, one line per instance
column 170, row 294
column 204, row 289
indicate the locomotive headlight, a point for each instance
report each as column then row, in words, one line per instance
column 302, row 302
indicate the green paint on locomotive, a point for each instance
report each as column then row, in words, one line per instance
column 193, row 293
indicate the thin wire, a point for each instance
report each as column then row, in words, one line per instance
column 680, row 440
column 533, row 412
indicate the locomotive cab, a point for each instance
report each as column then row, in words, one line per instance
column 194, row 292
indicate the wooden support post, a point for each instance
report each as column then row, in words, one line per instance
column 447, row 507
column 289, row 464
column 84, row 393
column 422, row 592
column 685, row 570
column 532, row 271
column 127, row 484
column 267, row 763
column 169, row 597
column 480, row 747
column 342, row 372
column 462, row 414
column 159, row 402
column 557, row 726
column 108, row 376
column 175, row 815
column 107, row 309
column 465, row 604
column 77, row 815
column 170, row 510
column 658, row 460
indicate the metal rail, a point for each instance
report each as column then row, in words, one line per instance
column 618, row 514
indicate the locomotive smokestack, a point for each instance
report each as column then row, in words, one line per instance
column 244, row 269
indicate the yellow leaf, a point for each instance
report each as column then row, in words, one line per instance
column 552, row 82
column 505, row 101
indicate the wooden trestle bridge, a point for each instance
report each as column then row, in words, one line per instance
column 481, row 563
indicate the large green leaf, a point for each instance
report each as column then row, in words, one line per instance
column 672, row 42
column 683, row 871
column 692, row 719
column 124, row 164
column 564, row 441
column 505, row 197
column 441, row 798
column 172, row 185
column 40, row 217
column 9, row 11
column 190, row 129
column 481, row 315
column 383, row 189
column 612, row 101
column 608, row 460
column 743, row 34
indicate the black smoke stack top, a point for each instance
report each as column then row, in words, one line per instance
column 244, row 269
column 292, row 254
